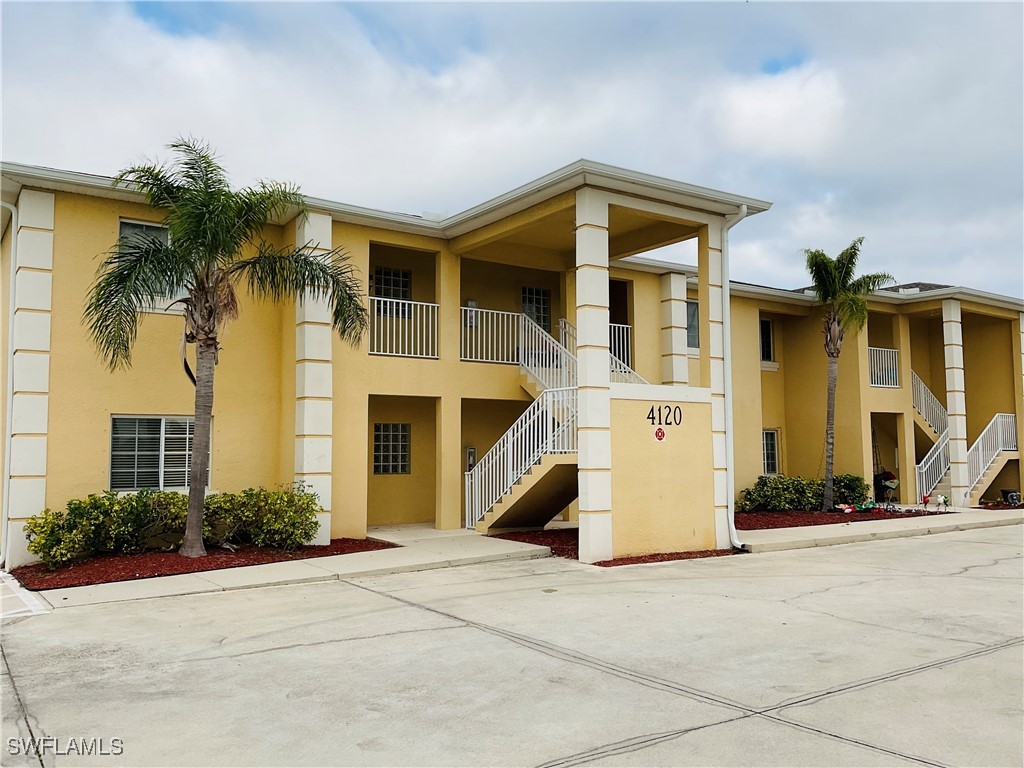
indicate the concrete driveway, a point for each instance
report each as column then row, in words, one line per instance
column 901, row 652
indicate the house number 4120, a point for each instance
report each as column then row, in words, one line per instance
column 665, row 415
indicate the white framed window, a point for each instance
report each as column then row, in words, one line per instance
column 692, row 324
column 767, row 341
column 770, row 441
column 537, row 306
column 391, row 455
column 129, row 229
column 151, row 452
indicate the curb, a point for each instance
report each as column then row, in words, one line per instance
column 854, row 538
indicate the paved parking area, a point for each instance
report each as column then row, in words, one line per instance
column 899, row 652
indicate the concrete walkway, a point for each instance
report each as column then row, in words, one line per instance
column 905, row 652
column 776, row 539
column 421, row 548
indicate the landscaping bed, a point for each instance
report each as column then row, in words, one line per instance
column 564, row 542
column 755, row 521
column 109, row 568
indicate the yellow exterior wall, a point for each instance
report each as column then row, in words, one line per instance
column 988, row 371
column 773, row 394
column 662, row 497
column 747, row 396
column 422, row 265
column 483, row 423
column 403, row 498
column 84, row 394
column 499, row 287
column 805, row 378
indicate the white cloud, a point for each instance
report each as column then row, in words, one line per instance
column 792, row 115
column 903, row 123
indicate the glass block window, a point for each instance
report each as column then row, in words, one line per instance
column 388, row 283
column 771, row 451
column 767, row 342
column 391, row 449
column 692, row 324
column 537, row 306
column 150, row 452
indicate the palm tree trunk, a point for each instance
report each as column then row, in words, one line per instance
column 206, row 359
column 830, row 432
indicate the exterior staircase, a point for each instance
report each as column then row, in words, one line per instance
column 530, row 475
column 933, row 419
column 996, row 445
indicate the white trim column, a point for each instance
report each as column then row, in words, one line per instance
column 314, row 380
column 31, row 296
column 594, row 417
column 675, row 362
column 956, row 400
column 712, row 298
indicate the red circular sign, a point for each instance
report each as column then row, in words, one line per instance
column 659, row 434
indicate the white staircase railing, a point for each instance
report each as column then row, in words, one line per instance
column 402, row 328
column 928, row 405
column 547, row 426
column 884, row 367
column 549, row 362
column 619, row 371
column 933, row 466
column 999, row 435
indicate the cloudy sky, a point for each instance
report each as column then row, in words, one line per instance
column 902, row 123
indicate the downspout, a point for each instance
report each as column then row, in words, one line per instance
column 730, row 453
column 8, row 427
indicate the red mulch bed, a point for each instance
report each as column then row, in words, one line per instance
column 107, row 568
column 754, row 521
column 564, row 542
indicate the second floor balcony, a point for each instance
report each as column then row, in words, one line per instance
column 884, row 367
column 401, row 328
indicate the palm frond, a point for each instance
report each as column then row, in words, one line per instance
column 278, row 274
column 156, row 182
column 197, row 165
column 253, row 207
column 139, row 270
column 852, row 311
column 822, row 269
column 846, row 263
column 866, row 284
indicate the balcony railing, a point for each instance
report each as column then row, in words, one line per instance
column 402, row 328
column 490, row 336
column 884, row 366
column 620, row 342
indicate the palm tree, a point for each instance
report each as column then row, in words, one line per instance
column 843, row 298
column 209, row 226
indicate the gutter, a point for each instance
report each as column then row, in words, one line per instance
column 8, row 426
column 730, row 473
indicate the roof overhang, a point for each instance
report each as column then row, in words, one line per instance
column 574, row 176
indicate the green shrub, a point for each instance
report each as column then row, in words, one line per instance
column 283, row 519
column 850, row 489
column 278, row 519
column 780, row 493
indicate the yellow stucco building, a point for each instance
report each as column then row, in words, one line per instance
column 523, row 360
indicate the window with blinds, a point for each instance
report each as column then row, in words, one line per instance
column 150, row 452
column 770, row 438
column 140, row 232
column 692, row 324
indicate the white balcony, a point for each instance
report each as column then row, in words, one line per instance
column 402, row 328
column 884, row 367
